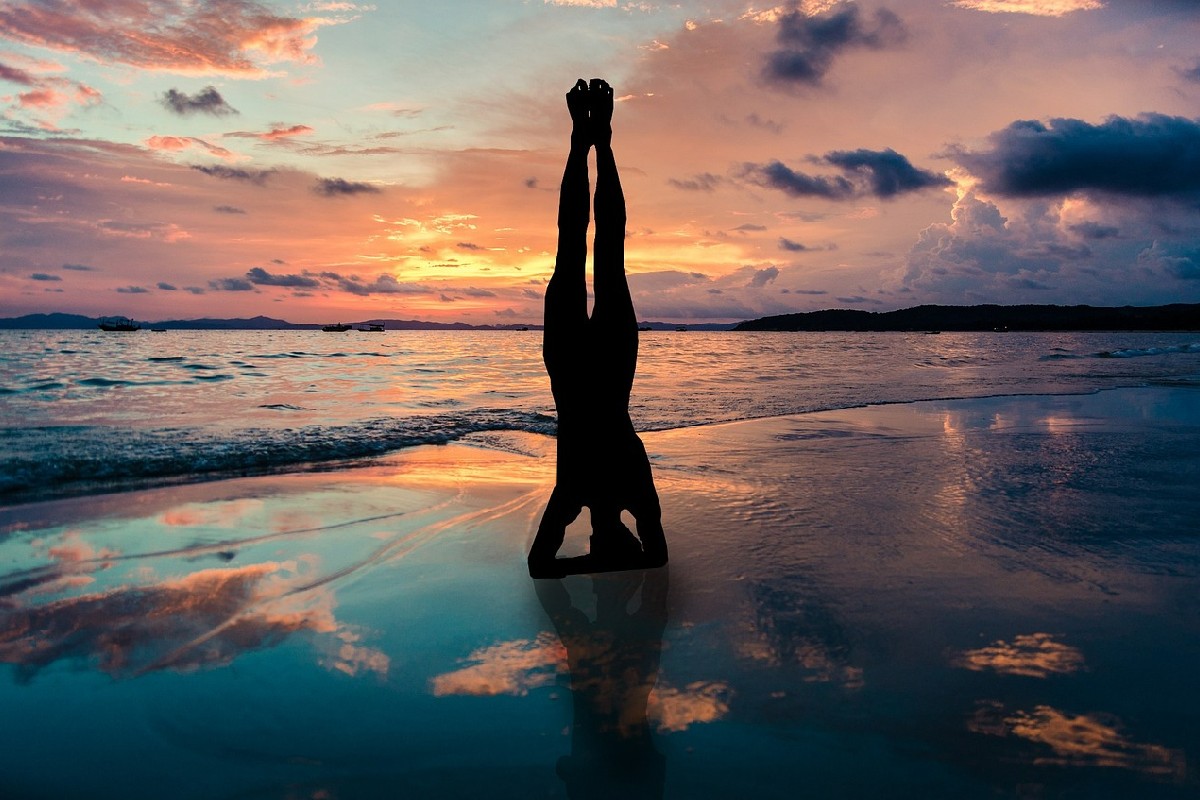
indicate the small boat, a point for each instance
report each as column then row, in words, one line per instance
column 681, row 328
column 336, row 328
column 372, row 327
column 119, row 324
column 158, row 330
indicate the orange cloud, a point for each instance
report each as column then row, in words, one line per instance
column 177, row 143
column 234, row 38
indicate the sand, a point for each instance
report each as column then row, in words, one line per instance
column 993, row 597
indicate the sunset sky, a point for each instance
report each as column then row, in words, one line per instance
column 325, row 161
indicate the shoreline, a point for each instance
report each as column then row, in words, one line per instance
column 373, row 454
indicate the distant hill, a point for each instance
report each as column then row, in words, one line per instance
column 261, row 323
column 1175, row 317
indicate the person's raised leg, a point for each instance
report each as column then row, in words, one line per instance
column 614, row 323
column 565, row 315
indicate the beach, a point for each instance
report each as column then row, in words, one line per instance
column 987, row 597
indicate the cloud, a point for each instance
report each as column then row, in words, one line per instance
column 703, row 182
column 233, row 37
column 229, row 210
column 468, row 246
column 1151, row 156
column 1094, row 230
column 383, row 284
column 880, row 173
column 14, row 75
column 230, row 285
column 1180, row 262
column 206, row 101
column 777, row 175
column 340, row 187
column 792, row 247
column 762, row 277
column 42, row 276
column 259, row 276
column 79, row 267
column 167, row 287
column 1040, row 8
column 809, row 44
column 255, row 176
column 887, row 172
column 177, row 143
column 277, row 132
column 132, row 290
column 749, row 227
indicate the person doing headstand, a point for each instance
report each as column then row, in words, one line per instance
column 602, row 463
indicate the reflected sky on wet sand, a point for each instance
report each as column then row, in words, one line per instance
column 946, row 599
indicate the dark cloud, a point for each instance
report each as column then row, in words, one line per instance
column 748, row 227
column 259, row 276
column 531, row 183
column 808, row 45
column 766, row 124
column 762, row 277
column 1151, row 156
column 880, row 173
column 887, row 172
column 704, row 182
column 42, row 276
column 471, row 291
column 340, row 187
column 256, row 176
column 206, row 101
column 166, row 287
column 777, row 175
column 1094, row 230
column 79, row 267
column 14, row 75
column 194, row 290
column 468, row 246
column 383, row 284
column 229, row 210
column 1182, row 262
column 792, row 247
column 132, row 290
column 230, row 285
column 1192, row 74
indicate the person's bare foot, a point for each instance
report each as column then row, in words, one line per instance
column 600, row 101
column 579, row 106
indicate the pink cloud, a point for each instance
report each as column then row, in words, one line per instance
column 177, row 143
column 235, row 37
column 42, row 98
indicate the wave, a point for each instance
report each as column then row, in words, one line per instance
column 41, row 463
column 1137, row 352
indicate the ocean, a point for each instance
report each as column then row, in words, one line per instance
column 85, row 412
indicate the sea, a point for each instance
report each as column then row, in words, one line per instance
column 86, row 412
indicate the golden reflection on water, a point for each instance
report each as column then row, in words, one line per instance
column 1034, row 655
column 1078, row 740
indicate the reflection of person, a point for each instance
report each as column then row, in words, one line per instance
column 602, row 463
column 614, row 666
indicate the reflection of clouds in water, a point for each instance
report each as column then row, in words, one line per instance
column 792, row 627
column 229, row 514
column 203, row 619
column 1084, row 740
column 677, row 709
column 515, row 667
column 1034, row 655
column 72, row 549
column 511, row 668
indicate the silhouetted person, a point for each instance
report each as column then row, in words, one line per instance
column 602, row 463
column 614, row 666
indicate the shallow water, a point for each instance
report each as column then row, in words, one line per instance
column 87, row 411
column 948, row 599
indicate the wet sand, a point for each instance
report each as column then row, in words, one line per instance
column 994, row 597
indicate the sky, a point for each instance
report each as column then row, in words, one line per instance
column 338, row 161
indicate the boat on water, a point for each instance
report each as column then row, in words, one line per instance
column 372, row 327
column 119, row 324
column 336, row 328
